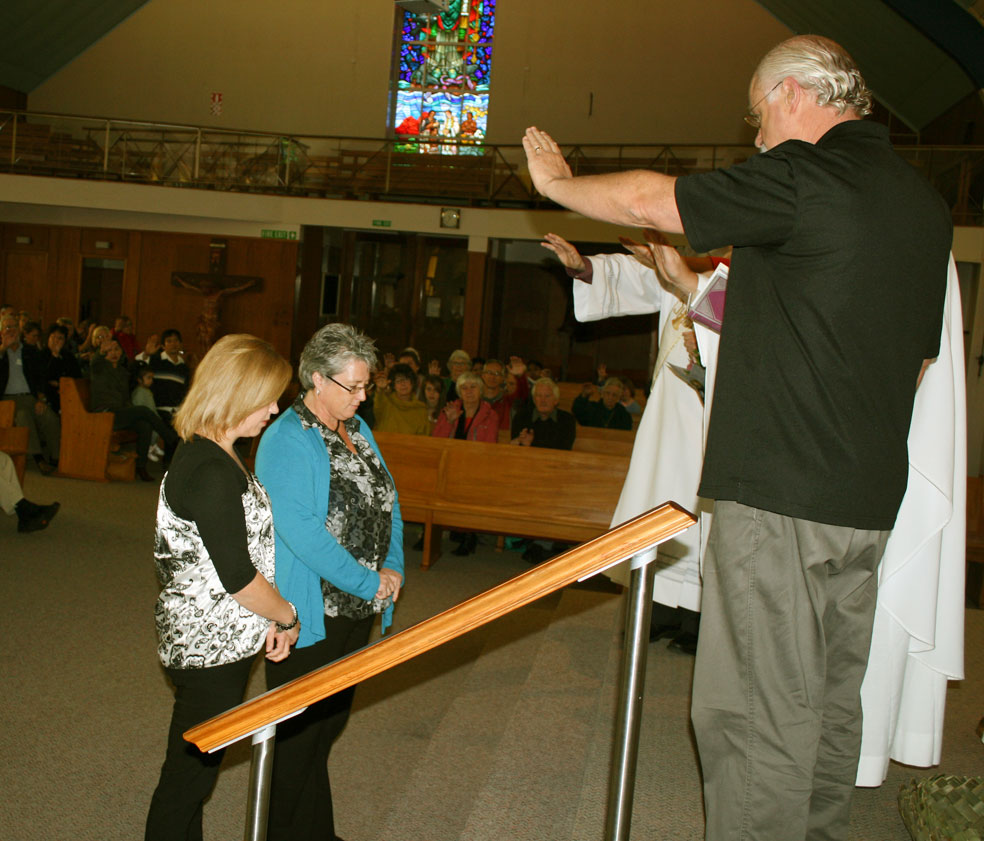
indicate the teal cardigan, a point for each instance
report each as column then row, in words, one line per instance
column 294, row 467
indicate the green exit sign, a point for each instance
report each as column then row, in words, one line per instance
column 268, row 233
column 381, row 223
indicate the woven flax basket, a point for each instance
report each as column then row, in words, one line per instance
column 943, row 808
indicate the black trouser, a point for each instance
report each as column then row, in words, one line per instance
column 300, row 793
column 188, row 775
column 145, row 422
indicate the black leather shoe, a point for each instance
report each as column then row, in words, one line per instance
column 38, row 517
column 144, row 475
column 467, row 546
column 685, row 642
column 657, row 632
column 535, row 554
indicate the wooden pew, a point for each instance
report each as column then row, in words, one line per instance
column 88, row 441
column 13, row 439
column 524, row 491
column 616, row 442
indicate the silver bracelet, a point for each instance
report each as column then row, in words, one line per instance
column 293, row 623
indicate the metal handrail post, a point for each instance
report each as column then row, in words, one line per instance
column 106, row 149
column 632, row 686
column 13, row 142
column 260, row 771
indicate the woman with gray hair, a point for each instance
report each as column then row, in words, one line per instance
column 339, row 542
column 468, row 418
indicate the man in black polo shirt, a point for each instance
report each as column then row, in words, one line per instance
column 835, row 300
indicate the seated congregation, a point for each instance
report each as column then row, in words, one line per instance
column 98, row 404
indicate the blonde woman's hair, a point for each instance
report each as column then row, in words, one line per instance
column 239, row 375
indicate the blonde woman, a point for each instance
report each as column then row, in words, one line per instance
column 214, row 550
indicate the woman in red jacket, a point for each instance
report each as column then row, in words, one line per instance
column 470, row 419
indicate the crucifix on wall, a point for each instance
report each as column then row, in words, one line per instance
column 212, row 285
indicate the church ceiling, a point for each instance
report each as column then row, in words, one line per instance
column 920, row 57
column 39, row 37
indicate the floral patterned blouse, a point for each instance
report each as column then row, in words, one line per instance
column 360, row 509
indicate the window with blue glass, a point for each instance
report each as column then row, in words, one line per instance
column 441, row 101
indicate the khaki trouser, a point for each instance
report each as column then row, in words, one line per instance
column 786, row 620
column 10, row 489
column 43, row 431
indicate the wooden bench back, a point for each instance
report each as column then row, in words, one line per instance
column 86, row 436
column 513, row 490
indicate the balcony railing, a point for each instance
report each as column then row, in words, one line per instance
column 404, row 169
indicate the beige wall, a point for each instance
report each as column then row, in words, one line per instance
column 659, row 70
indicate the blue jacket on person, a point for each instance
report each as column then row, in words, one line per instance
column 293, row 464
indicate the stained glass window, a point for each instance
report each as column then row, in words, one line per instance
column 442, row 84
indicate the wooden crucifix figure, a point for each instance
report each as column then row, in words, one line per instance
column 212, row 285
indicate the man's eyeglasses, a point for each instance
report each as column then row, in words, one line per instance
column 753, row 119
column 366, row 387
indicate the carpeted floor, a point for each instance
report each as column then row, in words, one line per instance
column 503, row 733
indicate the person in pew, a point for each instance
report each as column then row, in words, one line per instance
column 31, row 334
column 608, row 412
column 628, row 397
column 58, row 363
column 458, row 362
column 468, row 419
column 110, row 392
column 171, row 373
column 22, row 380
column 544, row 425
column 30, row 515
column 396, row 407
column 97, row 334
column 143, row 395
column 494, row 390
column 433, row 395
column 339, row 539
column 214, row 553
column 123, row 333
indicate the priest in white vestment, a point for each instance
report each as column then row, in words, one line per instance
column 669, row 444
column 917, row 641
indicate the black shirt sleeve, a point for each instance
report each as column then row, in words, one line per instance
column 204, row 484
column 751, row 203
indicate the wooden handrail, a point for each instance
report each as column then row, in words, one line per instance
column 616, row 545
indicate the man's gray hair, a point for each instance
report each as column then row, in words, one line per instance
column 547, row 382
column 332, row 349
column 820, row 65
column 613, row 381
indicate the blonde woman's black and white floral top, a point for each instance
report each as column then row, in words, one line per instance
column 360, row 509
column 214, row 532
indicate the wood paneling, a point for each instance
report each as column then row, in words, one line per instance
column 104, row 243
column 266, row 312
column 43, row 277
column 25, row 279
